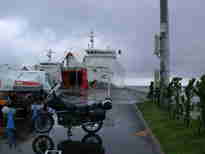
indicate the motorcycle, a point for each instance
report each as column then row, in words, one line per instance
column 89, row 117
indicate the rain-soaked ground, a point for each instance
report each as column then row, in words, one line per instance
column 118, row 135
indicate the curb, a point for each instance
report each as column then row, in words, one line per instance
column 156, row 142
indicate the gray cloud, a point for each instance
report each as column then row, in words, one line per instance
column 128, row 25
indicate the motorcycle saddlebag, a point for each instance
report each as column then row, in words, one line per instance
column 64, row 118
column 97, row 115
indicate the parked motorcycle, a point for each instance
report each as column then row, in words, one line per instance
column 89, row 117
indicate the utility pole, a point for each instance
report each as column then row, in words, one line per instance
column 164, row 49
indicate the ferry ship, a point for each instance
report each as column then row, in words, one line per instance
column 97, row 66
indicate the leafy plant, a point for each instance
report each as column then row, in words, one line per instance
column 177, row 90
column 151, row 91
column 169, row 94
column 200, row 91
column 189, row 94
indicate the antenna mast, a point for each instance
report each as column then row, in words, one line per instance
column 92, row 39
column 49, row 54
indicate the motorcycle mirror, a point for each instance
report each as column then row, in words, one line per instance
column 54, row 94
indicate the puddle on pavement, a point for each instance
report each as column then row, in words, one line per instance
column 89, row 144
column 56, row 140
column 30, row 142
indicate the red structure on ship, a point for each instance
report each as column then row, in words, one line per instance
column 74, row 75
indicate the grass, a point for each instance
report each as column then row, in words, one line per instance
column 173, row 136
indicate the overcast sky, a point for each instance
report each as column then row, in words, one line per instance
column 28, row 28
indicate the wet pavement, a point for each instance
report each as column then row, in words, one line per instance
column 119, row 135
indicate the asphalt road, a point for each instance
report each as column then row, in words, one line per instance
column 123, row 130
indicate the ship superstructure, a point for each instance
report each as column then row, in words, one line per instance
column 100, row 62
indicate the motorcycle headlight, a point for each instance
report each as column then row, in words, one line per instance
column 107, row 104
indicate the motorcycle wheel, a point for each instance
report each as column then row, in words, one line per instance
column 92, row 127
column 43, row 123
column 42, row 143
column 92, row 138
